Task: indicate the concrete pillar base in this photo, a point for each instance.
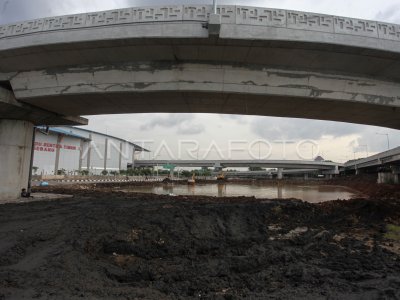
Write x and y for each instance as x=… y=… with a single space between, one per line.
x=280 y=173
x=15 y=148
x=396 y=178
x=389 y=178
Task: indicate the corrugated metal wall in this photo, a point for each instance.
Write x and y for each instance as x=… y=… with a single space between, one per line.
x=74 y=153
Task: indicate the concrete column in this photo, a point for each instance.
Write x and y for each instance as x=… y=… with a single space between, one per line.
x=105 y=154
x=395 y=175
x=80 y=155
x=280 y=191
x=57 y=161
x=15 y=154
x=395 y=172
x=120 y=156
x=133 y=158
x=88 y=153
x=306 y=176
x=280 y=173
x=380 y=178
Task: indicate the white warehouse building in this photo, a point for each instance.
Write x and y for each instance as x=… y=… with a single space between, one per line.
x=70 y=150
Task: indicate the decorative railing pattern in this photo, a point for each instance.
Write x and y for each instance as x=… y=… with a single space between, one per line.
x=229 y=15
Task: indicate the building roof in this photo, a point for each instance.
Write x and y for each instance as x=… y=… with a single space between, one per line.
x=63 y=132
x=59 y=130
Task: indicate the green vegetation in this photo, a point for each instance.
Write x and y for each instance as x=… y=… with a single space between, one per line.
x=393 y=232
x=256 y=169
x=161 y=172
x=137 y=172
x=202 y=172
x=61 y=172
x=83 y=172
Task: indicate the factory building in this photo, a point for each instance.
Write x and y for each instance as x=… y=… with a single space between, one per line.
x=71 y=151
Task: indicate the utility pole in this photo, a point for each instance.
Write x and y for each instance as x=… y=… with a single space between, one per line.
x=215 y=7
x=387 y=137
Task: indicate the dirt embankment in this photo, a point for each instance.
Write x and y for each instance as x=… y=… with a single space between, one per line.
x=110 y=245
x=368 y=186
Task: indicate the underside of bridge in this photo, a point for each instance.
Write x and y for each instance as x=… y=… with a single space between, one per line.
x=242 y=60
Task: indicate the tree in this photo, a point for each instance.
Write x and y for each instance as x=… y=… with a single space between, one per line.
x=256 y=169
x=186 y=173
x=205 y=171
x=61 y=172
x=83 y=172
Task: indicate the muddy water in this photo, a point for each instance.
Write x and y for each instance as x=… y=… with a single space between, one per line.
x=311 y=193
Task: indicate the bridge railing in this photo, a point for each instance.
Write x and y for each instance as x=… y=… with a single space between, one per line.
x=230 y=14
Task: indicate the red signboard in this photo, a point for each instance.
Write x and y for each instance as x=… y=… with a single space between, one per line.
x=49 y=147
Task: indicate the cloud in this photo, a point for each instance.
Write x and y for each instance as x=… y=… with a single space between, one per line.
x=285 y=128
x=271 y=128
x=20 y=10
x=389 y=14
x=188 y=129
x=182 y=122
x=240 y=119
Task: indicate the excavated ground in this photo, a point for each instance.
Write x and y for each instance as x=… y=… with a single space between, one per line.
x=101 y=244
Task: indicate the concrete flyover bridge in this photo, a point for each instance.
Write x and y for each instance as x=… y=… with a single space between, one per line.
x=282 y=166
x=188 y=58
x=386 y=164
x=232 y=163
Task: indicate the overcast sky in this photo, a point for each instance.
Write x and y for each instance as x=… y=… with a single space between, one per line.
x=337 y=141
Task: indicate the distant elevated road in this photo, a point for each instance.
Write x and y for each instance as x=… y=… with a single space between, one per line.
x=390 y=157
x=284 y=164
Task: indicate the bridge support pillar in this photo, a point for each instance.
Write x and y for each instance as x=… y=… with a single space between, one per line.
x=15 y=148
x=280 y=173
x=396 y=178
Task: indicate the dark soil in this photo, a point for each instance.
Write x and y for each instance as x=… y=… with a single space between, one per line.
x=109 y=245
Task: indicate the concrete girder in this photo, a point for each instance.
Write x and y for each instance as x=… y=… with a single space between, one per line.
x=10 y=108
x=204 y=87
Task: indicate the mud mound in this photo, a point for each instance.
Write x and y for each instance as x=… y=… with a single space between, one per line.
x=158 y=247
